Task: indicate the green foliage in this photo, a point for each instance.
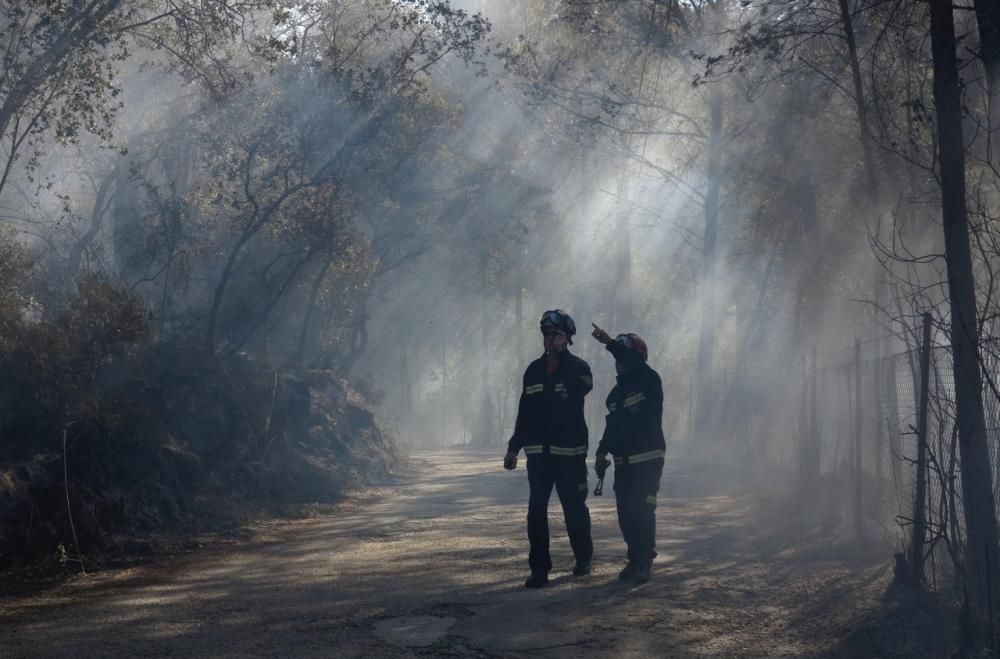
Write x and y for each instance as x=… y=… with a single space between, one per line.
x=61 y=62
x=15 y=274
x=153 y=427
x=72 y=367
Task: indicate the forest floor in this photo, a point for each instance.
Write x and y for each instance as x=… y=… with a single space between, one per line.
x=434 y=564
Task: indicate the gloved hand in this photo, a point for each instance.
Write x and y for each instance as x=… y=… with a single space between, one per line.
x=510 y=461
x=601 y=463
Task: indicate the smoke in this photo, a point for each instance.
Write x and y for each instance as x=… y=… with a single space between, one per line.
x=496 y=197
x=775 y=295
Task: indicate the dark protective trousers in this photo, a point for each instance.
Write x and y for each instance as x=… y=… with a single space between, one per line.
x=635 y=495
x=569 y=476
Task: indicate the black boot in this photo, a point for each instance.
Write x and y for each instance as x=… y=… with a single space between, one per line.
x=537 y=580
x=642 y=573
x=582 y=568
x=627 y=572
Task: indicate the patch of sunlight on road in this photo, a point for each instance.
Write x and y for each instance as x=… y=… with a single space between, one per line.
x=416 y=631
x=448 y=548
x=168 y=630
x=180 y=596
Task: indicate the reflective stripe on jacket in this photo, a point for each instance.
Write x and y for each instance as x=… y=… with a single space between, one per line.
x=550 y=412
x=633 y=432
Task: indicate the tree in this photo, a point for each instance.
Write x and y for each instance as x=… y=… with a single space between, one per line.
x=61 y=59
x=977 y=488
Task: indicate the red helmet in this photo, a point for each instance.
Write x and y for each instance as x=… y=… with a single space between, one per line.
x=633 y=341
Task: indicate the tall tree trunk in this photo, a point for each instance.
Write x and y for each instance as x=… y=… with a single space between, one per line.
x=988 y=20
x=407 y=376
x=444 y=384
x=300 y=351
x=753 y=327
x=269 y=306
x=101 y=204
x=871 y=173
x=706 y=338
x=860 y=105
x=622 y=310
x=977 y=487
x=486 y=426
x=359 y=341
x=220 y=286
x=519 y=325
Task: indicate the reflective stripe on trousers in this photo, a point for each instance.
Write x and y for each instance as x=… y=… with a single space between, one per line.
x=640 y=457
x=569 y=477
x=564 y=451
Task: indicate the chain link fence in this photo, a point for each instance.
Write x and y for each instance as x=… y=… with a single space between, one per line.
x=861 y=457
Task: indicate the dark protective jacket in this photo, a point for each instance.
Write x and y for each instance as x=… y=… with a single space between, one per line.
x=634 y=429
x=550 y=412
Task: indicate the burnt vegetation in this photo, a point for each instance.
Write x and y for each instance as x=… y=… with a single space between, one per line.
x=183 y=304
x=250 y=248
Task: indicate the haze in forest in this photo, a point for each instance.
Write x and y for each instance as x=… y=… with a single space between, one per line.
x=205 y=202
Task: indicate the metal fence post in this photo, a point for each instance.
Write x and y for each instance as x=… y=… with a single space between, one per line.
x=858 y=522
x=690 y=427
x=879 y=494
x=920 y=497
x=804 y=427
x=814 y=448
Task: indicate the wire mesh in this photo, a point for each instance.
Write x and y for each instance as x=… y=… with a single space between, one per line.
x=885 y=420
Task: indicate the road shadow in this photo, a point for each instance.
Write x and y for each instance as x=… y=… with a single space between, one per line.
x=736 y=575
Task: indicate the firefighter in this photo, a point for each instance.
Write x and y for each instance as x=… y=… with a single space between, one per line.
x=634 y=436
x=551 y=430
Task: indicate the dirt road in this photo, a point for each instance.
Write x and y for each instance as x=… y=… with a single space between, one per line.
x=434 y=567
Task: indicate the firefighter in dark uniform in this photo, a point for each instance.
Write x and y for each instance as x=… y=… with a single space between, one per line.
x=634 y=436
x=551 y=430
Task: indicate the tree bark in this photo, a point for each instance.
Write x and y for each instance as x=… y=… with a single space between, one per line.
x=488 y=437
x=407 y=380
x=860 y=105
x=622 y=310
x=300 y=351
x=270 y=305
x=359 y=341
x=220 y=286
x=977 y=488
x=988 y=20
x=751 y=330
x=871 y=172
x=706 y=338
x=519 y=323
x=101 y=204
